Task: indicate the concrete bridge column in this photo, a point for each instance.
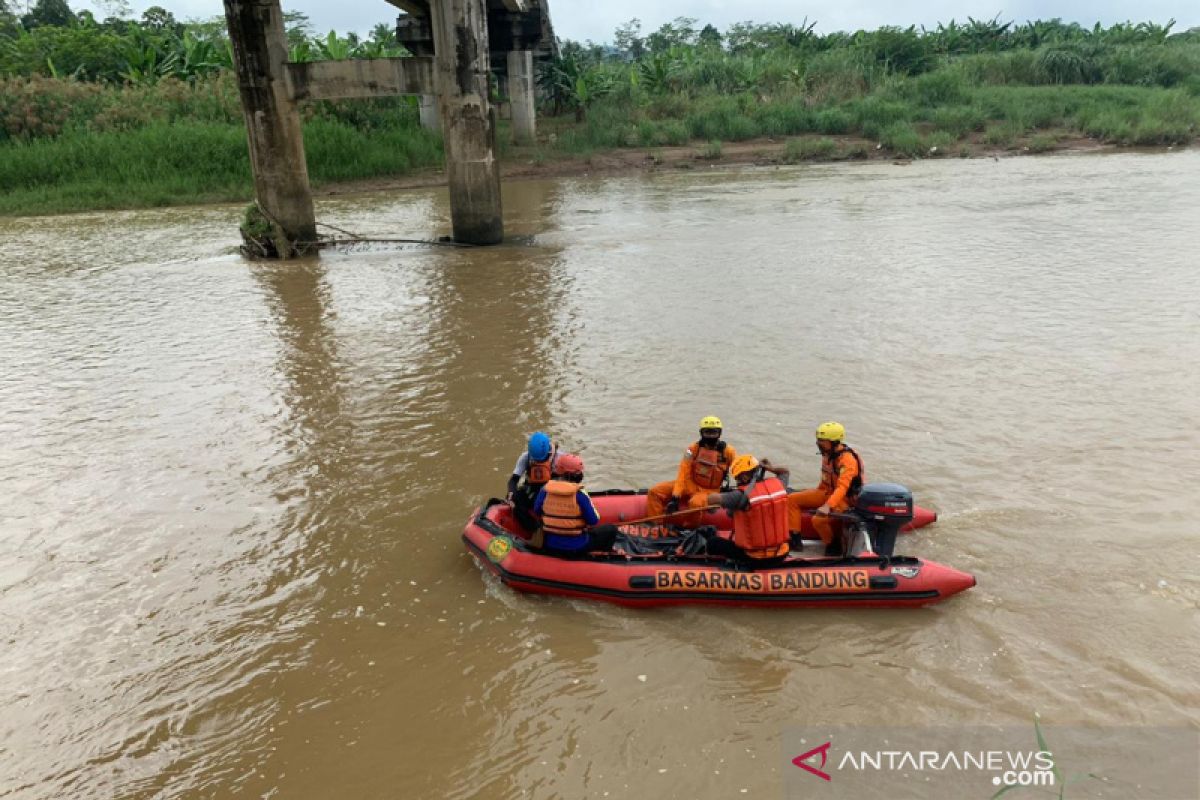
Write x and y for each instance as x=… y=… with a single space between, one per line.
x=461 y=66
x=431 y=120
x=272 y=121
x=522 y=91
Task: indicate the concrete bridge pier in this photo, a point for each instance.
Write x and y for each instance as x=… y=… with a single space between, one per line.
x=522 y=93
x=431 y=118
x=461 y=65
x=272 y=122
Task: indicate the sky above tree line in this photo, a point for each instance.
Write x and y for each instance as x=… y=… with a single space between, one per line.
x=597 y=21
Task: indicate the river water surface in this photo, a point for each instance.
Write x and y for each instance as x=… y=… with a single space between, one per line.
x=231 y=493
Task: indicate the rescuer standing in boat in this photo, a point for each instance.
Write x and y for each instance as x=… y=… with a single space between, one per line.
x=759 y=507
x=533 y=470
x=569 y=519
x=702 y=471
x=842 y=478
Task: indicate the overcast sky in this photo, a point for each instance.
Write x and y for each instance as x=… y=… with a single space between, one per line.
x=588 y=19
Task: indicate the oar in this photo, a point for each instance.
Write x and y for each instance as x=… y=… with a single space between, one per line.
x=672 y=514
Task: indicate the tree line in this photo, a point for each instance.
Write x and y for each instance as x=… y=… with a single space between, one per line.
x=48 y=38
x=684 y=57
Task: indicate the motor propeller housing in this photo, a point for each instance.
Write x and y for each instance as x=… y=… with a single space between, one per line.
x=884 y=509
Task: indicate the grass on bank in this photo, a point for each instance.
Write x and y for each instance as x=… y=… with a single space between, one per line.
x=188 y=162
x=97 y=148
x=902 y=119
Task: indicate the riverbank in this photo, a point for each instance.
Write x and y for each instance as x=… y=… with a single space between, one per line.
x=225 y=183
x=185 y=144
x=528 y=163
x=118 y=135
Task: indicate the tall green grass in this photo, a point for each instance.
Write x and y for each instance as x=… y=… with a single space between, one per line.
x=70 y=145
x=907 y=117
x=167 y=164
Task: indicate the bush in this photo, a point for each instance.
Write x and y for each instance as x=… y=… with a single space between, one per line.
x=839 y=75
x=784 y=118
x=721 y=118
x=834 y=121
x=875 y=113
x=938 y=143
x=945 y=86
x=1002 y=135
x=39 y=107
x=1066 y=63
x=1002 y=69
x=1151 y=65
x=900 y=50
x=674 y=132
x=958 y=121
x=903 y=140
x=79 y=52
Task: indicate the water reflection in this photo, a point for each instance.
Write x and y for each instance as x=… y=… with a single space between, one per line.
x=376 y=368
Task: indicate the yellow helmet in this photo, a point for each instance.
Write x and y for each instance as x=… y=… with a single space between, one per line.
x=711 y=422
x=831 y=431
x=743 y=463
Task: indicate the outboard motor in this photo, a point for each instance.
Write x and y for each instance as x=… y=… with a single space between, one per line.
x=884 y=509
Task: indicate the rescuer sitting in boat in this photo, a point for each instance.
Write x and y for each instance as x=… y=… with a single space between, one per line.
x=759 y=507
x=533 y=470
x=701 y=471
x=569 y=519
x=842 y=478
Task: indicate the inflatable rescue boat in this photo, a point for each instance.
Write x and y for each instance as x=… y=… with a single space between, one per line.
x=652 y=565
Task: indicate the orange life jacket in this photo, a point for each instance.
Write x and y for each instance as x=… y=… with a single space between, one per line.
x=539 y=472
x=709 y=466
x=831 y=468
x=561 y=514
x=762 y=530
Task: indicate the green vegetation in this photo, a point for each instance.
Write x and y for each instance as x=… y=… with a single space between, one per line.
x=122 y=112
x=87 y=146
x=125 y=113
x=910 y=90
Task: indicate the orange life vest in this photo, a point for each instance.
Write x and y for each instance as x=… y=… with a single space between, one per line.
x=831 y=468
x=762 y=530
x=709 y=466
x=539 y=472
x=561 y=514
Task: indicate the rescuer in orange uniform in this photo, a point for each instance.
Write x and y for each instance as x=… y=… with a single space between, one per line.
x=842 y=477
x=760 y=514
x=701 y=472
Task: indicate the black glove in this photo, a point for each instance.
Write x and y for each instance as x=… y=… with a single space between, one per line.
x=672 y=505
x=734 y=501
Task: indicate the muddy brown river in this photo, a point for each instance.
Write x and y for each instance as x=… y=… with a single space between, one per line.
x=232 y=493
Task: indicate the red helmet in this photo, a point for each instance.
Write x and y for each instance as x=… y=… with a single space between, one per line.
x=568 y=464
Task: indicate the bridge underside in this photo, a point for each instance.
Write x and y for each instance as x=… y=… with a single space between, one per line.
x=457 y=46
x=519 y=34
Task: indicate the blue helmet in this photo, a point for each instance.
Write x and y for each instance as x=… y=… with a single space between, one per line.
x=539 y=446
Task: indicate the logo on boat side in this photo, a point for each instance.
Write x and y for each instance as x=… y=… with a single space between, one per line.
x=794 y=581
x=498 y=548
x=907 y=572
